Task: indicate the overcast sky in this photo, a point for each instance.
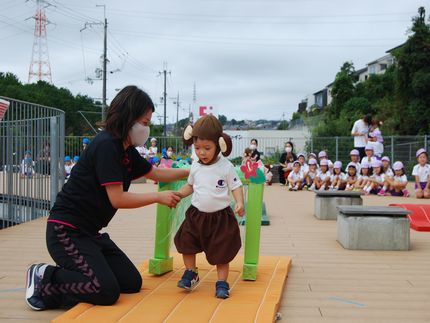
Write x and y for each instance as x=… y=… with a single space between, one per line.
x=250 y=59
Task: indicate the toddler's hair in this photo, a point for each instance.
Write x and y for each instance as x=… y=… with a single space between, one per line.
x=248 y=151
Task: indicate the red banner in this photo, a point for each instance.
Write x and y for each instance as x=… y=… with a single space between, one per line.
x=4 y=105
x=205 y=110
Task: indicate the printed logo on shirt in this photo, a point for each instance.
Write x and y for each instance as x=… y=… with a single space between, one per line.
x=221 y=184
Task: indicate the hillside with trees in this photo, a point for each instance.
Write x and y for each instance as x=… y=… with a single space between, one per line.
x=400 y=97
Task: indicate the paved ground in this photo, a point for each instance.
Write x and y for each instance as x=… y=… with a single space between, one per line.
x=326 y=282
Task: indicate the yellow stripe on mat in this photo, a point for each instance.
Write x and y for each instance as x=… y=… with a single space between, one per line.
x=161 y=301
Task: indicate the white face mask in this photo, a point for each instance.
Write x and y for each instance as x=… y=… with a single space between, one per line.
x=252 y=146
x=139 y=134
x=169 y=153
x=288 y=149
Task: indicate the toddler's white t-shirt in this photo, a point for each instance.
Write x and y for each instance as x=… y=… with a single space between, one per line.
x=212 y=184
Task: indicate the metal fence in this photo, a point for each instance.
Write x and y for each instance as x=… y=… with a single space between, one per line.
x=401 y=148
x=31 y=161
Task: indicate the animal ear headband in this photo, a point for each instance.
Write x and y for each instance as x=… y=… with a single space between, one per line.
x=209 y=127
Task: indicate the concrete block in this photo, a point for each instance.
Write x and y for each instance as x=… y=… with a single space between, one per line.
x=373 y=232
x=326 y=206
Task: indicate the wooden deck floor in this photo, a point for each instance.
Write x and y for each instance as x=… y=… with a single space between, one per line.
x=326 y=283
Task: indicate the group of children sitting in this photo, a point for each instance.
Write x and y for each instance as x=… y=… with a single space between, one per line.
x=370 y=175
x=69 y=163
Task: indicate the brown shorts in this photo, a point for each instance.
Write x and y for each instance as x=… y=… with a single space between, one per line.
x=216 y=233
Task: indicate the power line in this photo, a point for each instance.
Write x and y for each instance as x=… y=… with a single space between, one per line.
x=238 y=42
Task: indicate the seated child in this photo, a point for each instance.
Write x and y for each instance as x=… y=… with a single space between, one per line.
x=421 y=172
x=27 y=165
x=370 y=157
x=210 y=225
x=363 y=178
x=312 y=156
x=355 y=158
x=396 y=185
x=386 y=167
x=311 y=174
x=295 y=178
x=322 y=180
x=337 y=178
x=268 y=174
x=376 y=180
x=351 y=177
x=301 y=159
x=75 y=160
x=67 y=166
x=323 y=155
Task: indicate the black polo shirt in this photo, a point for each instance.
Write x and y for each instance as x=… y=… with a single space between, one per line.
x=83 y=200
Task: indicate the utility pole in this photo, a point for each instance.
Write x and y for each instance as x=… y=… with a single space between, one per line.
x=177 y=103
x=165 y=96
x=194 y=103
x=104 y=62
x=104 y=59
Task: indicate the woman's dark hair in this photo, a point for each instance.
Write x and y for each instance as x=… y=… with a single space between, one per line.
x=291 y=144
x=256 y=141
x=129 y=104
x=367 y=118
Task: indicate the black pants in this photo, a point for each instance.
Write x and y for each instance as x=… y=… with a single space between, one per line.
x=281 y=175
x=362 y=152
x=89 y=269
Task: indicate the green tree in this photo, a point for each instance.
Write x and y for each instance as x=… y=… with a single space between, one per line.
x=222 y=119
x=49 y=95
x=343 y=88
x=413 y=78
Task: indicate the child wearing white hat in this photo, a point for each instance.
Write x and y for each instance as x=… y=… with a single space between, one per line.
x=397 y=184
x=421 y=172
x=322 y=180
x=370 y=156
x=376 y=181
x=337 y=178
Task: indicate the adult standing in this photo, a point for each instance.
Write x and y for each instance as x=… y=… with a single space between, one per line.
x=286 y=162
x=255 y=155
x=360 y=131
x=375 y=139
x=90 y=267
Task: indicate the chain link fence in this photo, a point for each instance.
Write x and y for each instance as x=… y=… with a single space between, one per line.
x=31 y=161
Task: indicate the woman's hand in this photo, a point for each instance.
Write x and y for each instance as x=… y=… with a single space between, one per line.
x=239 y=209
x=169 y=198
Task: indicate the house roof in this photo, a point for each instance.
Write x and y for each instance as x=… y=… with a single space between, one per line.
x=394 y=48
x=379 y=59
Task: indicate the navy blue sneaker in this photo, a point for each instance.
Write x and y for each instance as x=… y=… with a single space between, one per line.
x=33 y=293
x=189 y=279
x=222 y=289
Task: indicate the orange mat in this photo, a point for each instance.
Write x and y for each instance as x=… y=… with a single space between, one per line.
x=161 y=301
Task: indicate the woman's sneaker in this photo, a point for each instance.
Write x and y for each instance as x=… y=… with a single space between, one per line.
x=222 y=289
x=33 y=293
x=189 y=279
